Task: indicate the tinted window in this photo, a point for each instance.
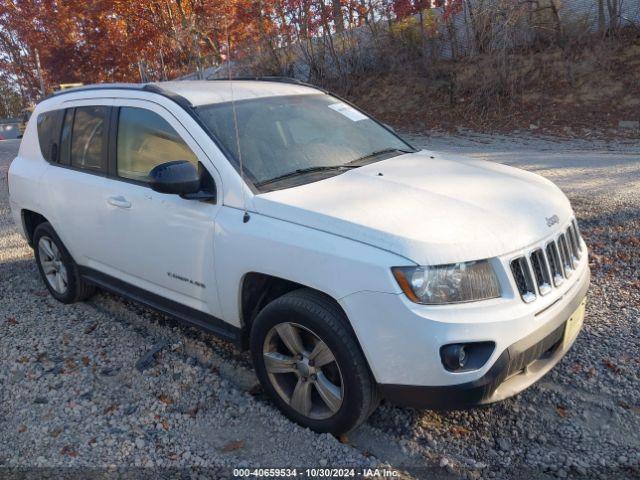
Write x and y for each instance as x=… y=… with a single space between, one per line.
x=87 y=140
x=65 y=137
x=48 y=133
x=145 y=140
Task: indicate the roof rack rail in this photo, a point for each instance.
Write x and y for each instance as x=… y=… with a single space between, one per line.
x=145 y=87
x=263 y=78
x=97 y=86
x=271 y=78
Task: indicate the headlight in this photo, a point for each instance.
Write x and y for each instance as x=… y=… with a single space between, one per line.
x=454 y=283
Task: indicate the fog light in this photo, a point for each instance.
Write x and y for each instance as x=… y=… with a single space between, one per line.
x=460 y=357
x=454 y=357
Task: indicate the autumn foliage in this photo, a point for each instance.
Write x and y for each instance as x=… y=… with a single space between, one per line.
x=122 y=40
x=335 y=43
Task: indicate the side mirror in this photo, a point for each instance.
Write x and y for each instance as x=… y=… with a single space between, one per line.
x=178 y=177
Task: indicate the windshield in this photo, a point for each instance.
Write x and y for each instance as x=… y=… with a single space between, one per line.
x=295 y=136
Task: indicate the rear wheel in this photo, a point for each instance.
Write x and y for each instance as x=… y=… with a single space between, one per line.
x=307 y=359
x=57 y=268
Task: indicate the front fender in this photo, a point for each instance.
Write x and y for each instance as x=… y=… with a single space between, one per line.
x=329 y=263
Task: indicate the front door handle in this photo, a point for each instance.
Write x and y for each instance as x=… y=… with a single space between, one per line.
x=119 y=201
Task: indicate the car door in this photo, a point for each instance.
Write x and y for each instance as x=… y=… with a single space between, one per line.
x=158 y=242
x=76 y=180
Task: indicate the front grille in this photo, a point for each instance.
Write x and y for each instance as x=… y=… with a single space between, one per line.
x=522 y=276
x=576 y=231
x=565 y=256
x=544 y=268
x=541 y=271
x=573 y=243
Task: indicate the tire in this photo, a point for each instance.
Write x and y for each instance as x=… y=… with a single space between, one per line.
x=317 y=320
x=53 y=258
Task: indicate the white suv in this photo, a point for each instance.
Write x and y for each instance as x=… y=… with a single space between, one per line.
x=284 y=219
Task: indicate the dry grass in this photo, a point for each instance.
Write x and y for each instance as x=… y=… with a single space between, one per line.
x=592 y=86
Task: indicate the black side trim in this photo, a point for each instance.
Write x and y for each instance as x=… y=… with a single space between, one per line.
x=168 y=307
x=450 y=397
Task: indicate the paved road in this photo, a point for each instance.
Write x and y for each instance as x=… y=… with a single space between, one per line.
x=71 y=396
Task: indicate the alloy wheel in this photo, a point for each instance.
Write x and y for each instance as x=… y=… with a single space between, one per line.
x=303 y=370
x=52 y=265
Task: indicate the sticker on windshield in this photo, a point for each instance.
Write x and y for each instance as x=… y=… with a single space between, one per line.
x=348 y=111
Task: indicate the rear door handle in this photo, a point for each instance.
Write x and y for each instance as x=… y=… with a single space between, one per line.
x=119 y=201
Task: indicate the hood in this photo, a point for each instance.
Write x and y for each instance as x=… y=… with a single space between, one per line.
x=429 y=208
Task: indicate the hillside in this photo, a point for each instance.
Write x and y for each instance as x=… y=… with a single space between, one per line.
x=584 y=92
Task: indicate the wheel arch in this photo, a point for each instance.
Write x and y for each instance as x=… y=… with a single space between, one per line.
x=30 y=221
x=258 y=289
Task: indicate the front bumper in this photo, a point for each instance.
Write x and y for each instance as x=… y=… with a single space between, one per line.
x=401 y=341
x=519 y=366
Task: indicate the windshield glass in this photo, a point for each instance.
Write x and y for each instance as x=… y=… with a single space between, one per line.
x=295 y=135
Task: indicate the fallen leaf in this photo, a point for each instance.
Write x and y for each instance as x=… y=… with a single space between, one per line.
x=90 y=328
x=232 y=446
x=343 y=438
x=55 y=432
x=611 y=366
x=165 y=399
x=631 y=241
x=85 y=361
x=460 y=431
x=68 y=450
x=576 y=368
x=23 y=359
x=193 y=411
x=22 y=428
x=110 y=409
x=561 y=411
x=12 y=321
x=165 y=425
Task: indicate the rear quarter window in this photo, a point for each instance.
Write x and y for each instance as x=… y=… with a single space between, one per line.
x=49 y=124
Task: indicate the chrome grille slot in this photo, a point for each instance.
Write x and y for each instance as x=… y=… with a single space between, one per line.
x=565 y=256
x=523 y=278
x=576 y=231
x=541 y=271
x=554 y=263
x=573 y=243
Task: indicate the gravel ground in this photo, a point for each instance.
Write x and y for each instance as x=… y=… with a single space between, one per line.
x=74 y=390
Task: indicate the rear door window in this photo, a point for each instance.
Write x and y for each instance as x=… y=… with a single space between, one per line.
x=88 y=138
x=65 y=137
x=48 y=134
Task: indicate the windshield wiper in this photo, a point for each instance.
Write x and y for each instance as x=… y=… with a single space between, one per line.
x=302 y=171
x=380 y=152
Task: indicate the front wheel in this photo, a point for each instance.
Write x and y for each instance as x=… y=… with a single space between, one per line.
x=309 y=362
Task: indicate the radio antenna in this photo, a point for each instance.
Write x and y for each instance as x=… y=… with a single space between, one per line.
x=246 y=216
